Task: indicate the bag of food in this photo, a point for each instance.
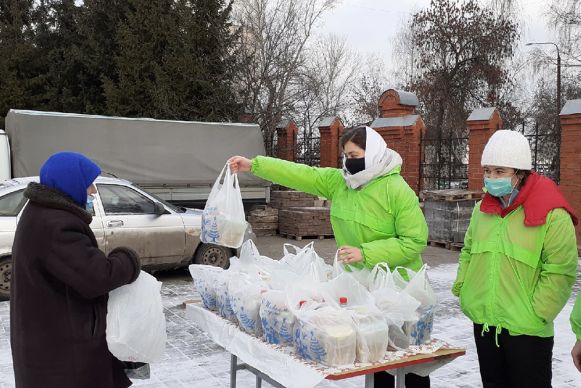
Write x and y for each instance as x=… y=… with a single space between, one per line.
x=372 y=333
x=136 y=322
x=245 y=299
x=204 y=277
x=223 y=296
x=380 y=277
x=223 y=219
x=325 y=335
x=306 y=263
x=419 y=288
x=276 y=318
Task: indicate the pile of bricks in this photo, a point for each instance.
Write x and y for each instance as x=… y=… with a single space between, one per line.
x=264 y=220
x=281 y=199
x=308 y=221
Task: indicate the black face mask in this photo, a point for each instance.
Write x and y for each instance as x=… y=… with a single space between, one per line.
x=355 y=165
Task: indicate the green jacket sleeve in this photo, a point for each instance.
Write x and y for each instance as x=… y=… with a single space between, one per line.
x=576 y=317
x=558 y=266
x=317 y=181
x=464 y=259
x=410 y=228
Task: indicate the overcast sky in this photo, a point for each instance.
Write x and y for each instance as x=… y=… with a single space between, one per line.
x=371 y=25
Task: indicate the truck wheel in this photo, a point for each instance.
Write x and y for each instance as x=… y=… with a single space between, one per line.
x=215 y=255
x=5 y=275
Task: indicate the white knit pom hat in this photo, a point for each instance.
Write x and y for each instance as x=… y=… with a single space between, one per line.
x=507 y=149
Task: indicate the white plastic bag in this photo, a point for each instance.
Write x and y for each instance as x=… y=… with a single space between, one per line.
x=136 y=322
x=223 y=219
x=372 y=333
x=306 y=263
x=245 y=298
x=223 y=304
x=205 y=277
x=361 y=275
x=419 y=287
x=276 y=318
x=326 y=335
x=380 y=277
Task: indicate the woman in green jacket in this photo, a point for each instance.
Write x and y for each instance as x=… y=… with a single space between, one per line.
x=517 y=266
x=374 y=213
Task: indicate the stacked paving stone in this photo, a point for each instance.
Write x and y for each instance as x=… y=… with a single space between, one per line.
x=264 y=220
x=301 y=215
x=448 y=215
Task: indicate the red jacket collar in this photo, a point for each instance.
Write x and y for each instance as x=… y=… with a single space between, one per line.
x=538 y=197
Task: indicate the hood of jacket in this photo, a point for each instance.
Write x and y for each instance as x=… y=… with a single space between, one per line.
x=51 y=198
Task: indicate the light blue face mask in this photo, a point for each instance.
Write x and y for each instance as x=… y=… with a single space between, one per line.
x=499 y=187
x=89 y=205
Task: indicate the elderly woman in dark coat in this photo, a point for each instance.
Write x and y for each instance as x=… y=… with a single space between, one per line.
x=60 y=283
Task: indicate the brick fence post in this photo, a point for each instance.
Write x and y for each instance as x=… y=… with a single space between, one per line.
x=402 y=129
x=482 y=123
x=286 y=143
x=570 y=153
x=330 y=130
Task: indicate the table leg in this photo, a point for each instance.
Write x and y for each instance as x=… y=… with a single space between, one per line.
x=233 y=370
x=399 y=378
x=258 y=382
x=369 y=380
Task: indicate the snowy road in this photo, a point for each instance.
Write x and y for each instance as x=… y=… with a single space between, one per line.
x=192 y=360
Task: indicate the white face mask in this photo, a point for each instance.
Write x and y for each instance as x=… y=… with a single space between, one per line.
x=89 y=205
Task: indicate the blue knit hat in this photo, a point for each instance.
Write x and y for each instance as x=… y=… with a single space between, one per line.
x=70 y=173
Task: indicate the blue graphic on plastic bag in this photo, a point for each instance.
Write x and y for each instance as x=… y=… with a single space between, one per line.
x=246 y=322
x=210 y=233
x=301 y=344
x=316 y=350
x=276 y=330
x=225 y=307
x=420 y=332
x=206 y=293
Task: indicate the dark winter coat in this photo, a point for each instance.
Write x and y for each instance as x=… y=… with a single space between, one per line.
x=59 y=291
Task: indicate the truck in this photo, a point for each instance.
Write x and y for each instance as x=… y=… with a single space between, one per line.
x=178 y=161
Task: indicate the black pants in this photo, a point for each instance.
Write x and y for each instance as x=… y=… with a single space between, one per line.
x=519 y=361
x=385 y=380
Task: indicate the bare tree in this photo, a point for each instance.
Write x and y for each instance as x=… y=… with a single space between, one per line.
x=370 y=83
x=274 y=36
x=325 y=80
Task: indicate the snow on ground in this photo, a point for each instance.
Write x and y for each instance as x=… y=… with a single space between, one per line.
x=192 y=360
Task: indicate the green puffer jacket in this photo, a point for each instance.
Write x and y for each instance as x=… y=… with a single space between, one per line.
x=383 y=218
x=576 y=317
x=515 y=277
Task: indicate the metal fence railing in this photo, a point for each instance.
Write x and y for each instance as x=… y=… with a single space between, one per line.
x=444 y=163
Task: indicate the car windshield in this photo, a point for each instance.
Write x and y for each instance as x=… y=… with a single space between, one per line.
x=177 y=209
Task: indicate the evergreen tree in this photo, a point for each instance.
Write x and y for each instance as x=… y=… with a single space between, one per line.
x=17 y=72
x=173 y=61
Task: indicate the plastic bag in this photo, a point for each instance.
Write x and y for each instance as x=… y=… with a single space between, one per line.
x=361 y=275
x=205 y=277
x=372 y=333
x=136 y=322
x=223 y=304
x=419 y=287
x=276 y=318
x=326 y=335
x=306 y=263
x=245 y=299
x=380 y=277
x=223 y=219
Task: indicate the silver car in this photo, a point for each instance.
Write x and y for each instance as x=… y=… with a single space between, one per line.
x=164 y=235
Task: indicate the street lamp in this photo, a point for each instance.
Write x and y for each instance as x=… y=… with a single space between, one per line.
x=558 y=71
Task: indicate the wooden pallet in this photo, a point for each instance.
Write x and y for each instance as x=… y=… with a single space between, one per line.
x=453 y=246
x=308 y=236
x=451 y=195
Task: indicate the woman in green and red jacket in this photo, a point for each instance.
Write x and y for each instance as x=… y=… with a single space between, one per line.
x=375 y=215
x=517 y=266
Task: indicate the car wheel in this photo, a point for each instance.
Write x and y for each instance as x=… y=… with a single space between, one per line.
x=5 y=275
x=215 y=255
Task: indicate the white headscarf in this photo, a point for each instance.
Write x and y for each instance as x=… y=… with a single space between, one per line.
x=379 y=160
